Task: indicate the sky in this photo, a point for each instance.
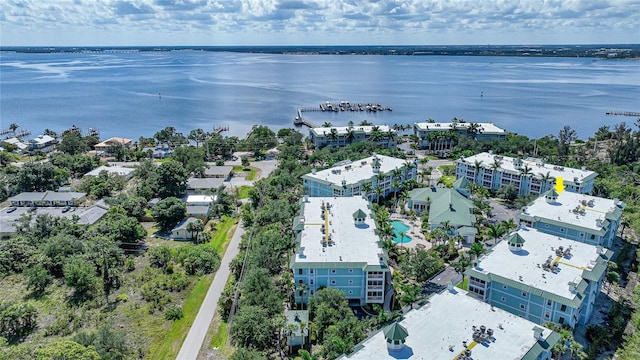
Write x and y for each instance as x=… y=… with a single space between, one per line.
x=317 y=22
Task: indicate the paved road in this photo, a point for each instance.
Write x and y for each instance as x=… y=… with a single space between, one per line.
x=441 y=281
x=192 y=344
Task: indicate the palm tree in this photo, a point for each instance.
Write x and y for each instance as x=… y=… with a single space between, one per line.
x=495 y=231
x=477 y=165
x=350 y=136
x=461 y=265
x=379 y=193
x=333 y=134
x=350 y=124
x=194 y=228
x=396 y=185
x=327 y=124
x=447 y=227
x=545 y=180
x=397 y=174
x=13 y=127
x=508 y=225
x=366 y=188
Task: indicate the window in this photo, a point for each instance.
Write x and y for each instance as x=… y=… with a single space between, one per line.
x=561 y=320
x=311 y=292
x=504 y=286
x=503 y=299
x=524 y=293
x=310 y=281
x=350 y=292
x=548 y=302
x=299 y=271
x=522 y=306
x=350 y=281
x=561 y=230
x=350 y=270
x=547 y=315
x=563 y=308
x=593 y=236
x=546 y=225
x=333 y=271
x=310 y=271
x=333 y=282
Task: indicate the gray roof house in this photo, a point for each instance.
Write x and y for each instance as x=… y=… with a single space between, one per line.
x=223 y=172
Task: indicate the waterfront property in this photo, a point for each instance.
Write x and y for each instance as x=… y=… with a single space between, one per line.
x=452 y=325
x=43 y=143
x=585 y=218
x=350 y=178
x=337 y=246
x=21 y=146
x=529 y=176
x=105 y=147
x=541 y=277
x=440 y=136
x=345 y=135
x=446 y=206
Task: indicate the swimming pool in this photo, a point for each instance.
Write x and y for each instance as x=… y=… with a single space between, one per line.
x=400 y=227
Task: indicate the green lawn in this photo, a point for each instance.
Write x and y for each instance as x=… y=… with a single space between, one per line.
x=244 y=191
x=250 y=172
x=221 y=236
x=221 y=336
x=447 y=180
x=167 y=346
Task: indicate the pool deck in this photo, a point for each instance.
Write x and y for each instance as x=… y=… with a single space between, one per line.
x=417 y=238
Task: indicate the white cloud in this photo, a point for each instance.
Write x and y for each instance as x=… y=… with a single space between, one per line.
x=107 y=22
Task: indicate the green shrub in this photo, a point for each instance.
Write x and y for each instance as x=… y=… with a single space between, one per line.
x=173 y=313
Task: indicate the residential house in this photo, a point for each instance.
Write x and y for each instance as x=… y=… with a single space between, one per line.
x=43 y=143
x=180 y=232
x=198 y=205
x=105 y=147
x=337 y=246
x=452 y=325
x=9 y=218
x=21 y=146
x=541 y=277
x=349 y=178
x=585 y=218
x=125 y=172
x=529 y=176
x=344 y=135
x=203 y=186
x=47 y=198
x=219 y=172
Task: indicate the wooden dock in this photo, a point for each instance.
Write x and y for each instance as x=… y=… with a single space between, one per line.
x=623 y=113
x=341 y=106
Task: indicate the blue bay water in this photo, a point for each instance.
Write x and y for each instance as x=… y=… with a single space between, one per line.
x=137 y=94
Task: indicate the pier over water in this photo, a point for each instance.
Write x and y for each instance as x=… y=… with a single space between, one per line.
x=336 y=107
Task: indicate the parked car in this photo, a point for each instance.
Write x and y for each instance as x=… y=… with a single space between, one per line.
x=66 y=208
x=11 y=209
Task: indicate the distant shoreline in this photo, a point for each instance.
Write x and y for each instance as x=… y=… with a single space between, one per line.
x=601 y=51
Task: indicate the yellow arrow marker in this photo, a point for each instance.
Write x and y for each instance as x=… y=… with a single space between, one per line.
x=559 y=185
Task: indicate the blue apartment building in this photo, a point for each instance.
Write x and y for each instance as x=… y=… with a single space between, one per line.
x=541 y=277
x=337 y=247
x=584 y=218
x=348 y=178
x=529 y=176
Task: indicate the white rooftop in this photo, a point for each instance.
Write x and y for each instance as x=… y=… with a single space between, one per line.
x=354 y=171
x=575 y=209
x=342 y=130
x=537 y=166
x=116 y=170
x=197 y=199
x=484 y=127
x=526 y=266
x=348 y=243
x=447 y=320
